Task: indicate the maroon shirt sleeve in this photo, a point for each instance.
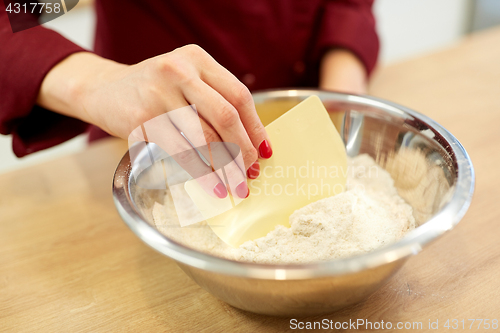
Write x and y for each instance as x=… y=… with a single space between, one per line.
x=25 y=58
x=349 y=24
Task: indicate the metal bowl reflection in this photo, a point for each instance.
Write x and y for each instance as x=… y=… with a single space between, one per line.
x=432 y=172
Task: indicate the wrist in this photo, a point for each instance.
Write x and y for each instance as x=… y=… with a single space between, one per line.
x=68 y=84
x=341 y=70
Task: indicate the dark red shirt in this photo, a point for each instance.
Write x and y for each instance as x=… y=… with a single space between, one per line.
x=265 y=43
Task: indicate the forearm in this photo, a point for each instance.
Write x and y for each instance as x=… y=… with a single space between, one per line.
x=120 y=99
x=63 y=87
x=341 y=70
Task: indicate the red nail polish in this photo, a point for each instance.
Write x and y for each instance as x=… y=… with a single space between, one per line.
x=220 y=191
x=265 y=150
x=242 y=190
x=254 y=170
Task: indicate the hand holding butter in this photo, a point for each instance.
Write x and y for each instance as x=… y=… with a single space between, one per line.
x=308 y=164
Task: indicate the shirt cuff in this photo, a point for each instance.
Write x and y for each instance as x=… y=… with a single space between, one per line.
x=26 y=58
x=43 y=129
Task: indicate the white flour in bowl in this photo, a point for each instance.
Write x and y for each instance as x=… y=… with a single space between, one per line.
x=368 y=215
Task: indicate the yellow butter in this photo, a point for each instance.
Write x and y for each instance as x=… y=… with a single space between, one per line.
x=308 y=164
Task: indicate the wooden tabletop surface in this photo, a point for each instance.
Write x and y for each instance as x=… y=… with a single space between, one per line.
x=68 y=263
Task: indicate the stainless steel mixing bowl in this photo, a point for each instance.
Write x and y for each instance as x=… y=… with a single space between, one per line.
x=432 y=172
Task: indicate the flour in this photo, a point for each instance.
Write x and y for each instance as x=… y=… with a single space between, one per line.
x=368 y=215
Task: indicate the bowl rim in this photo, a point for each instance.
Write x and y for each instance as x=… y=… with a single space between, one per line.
x=447 y=218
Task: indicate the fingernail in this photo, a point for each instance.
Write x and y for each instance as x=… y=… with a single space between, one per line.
x=265 y=150
x=254 y=170
x=220 y=191
x=242 y=190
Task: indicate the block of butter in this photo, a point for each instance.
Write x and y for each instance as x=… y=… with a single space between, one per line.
x=309 y=163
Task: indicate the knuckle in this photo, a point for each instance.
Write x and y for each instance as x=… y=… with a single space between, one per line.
x=187 y=80
x=194 y=49
x=243 y=95
x=176 y=69
x=209 y=135
x=227 y=116
x=234 y=174
x=166 y=64
x=185 y=157
x=250 y=156
x=257 y=129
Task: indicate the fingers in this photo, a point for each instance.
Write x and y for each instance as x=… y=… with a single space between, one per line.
x=161 y=131
x=226 y=108
x=230 y=170
x=222 y=116
x=237 y=94
x=199 y=133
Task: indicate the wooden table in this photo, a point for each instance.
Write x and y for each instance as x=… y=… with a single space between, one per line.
x=68 y=263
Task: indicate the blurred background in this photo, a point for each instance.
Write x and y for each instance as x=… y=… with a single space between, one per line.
x=407 y=28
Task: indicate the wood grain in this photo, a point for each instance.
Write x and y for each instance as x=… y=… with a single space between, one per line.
x=68 y=263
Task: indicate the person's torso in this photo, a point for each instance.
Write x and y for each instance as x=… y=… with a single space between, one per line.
x=265 y=43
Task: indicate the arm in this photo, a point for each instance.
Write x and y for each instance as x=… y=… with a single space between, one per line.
x=129 y=99
x=43 y=72
x=347 y=45
x=342 y=71
x=25 y=58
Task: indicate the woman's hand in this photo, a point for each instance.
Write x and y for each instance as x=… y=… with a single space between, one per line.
x=342 y=71
x=120 y=98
